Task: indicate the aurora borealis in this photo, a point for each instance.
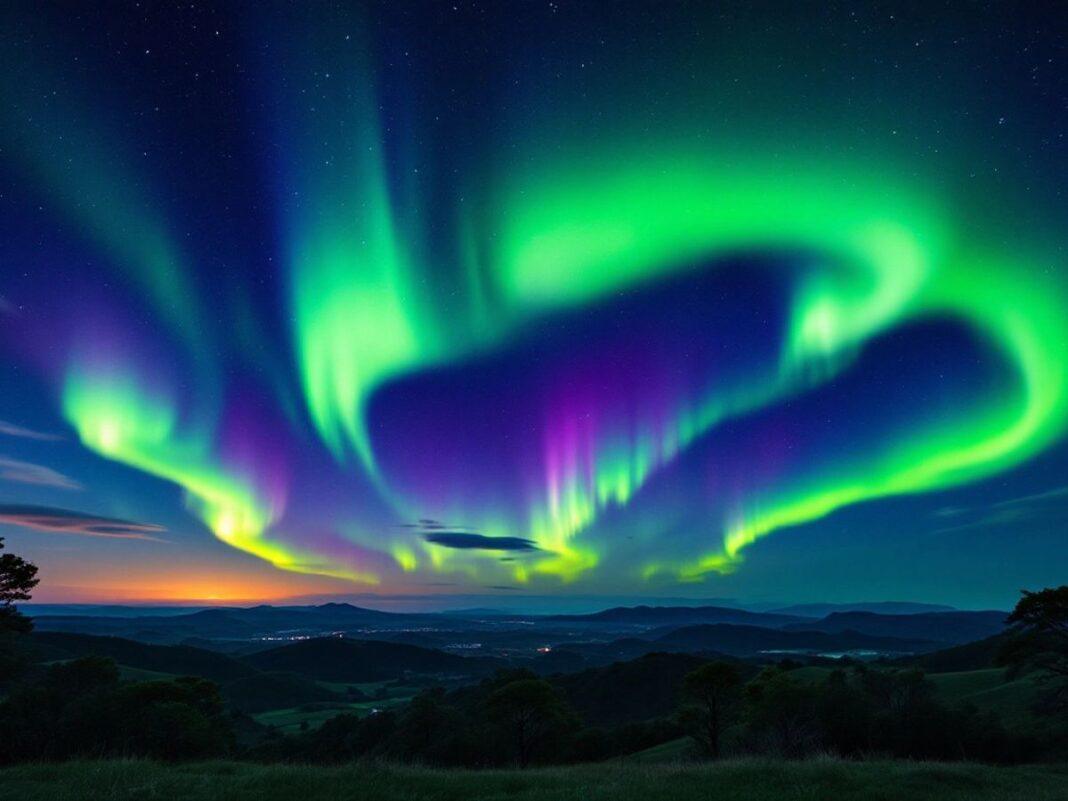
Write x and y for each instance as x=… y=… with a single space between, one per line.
x=662 y=300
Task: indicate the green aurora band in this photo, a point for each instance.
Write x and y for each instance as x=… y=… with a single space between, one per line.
x=363 y=293
x=897 y=258
x=568 y=239
x=118 y=419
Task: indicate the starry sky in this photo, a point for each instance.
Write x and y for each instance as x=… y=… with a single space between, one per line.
x=744 y=300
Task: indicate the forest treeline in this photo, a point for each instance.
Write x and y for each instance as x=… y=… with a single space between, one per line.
x=83 y=708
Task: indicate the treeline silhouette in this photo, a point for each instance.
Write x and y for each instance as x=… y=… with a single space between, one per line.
x=516 y=719
x=82 y=708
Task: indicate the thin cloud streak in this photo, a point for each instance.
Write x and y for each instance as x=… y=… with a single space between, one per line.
x=65 y=521
x=12 y=430
x=1011 y=510
x=36 y=474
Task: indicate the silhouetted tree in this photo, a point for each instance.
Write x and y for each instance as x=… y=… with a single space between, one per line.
x=80 y=709
x=430 y=729
x=61 y=713
x=1039 y=642
x=341 y=739
x=781 y=713
x=846 y=714
x=528 y=710
x=1044 y=611
x=17 y=579
x=712 y=692
x=1040 y=622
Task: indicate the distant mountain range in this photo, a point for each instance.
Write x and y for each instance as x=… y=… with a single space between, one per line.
x=752 y=640
x=237 y=623
x=618 y=664
x=547 y=642
x=879 y=607
x=944 y=627
x=681 y=615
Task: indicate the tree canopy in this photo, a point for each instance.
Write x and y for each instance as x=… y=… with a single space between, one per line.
x=17 y=579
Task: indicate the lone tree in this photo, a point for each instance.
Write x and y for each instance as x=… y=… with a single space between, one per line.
x=1040 y=640
x=1044 y=612
x=781 y=711
x=712 y=692
x=17 y=578
x=529 y=710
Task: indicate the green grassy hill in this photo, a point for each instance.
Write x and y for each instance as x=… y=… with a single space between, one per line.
x=751 y=780
x=988 y=690
x=265 y=691
x=180 y=660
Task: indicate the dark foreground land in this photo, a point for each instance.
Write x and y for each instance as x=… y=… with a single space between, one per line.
x=751 y=780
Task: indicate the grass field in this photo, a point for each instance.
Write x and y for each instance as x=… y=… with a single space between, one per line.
x=751 y=780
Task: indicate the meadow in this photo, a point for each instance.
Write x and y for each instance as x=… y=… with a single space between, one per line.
x=733 y=780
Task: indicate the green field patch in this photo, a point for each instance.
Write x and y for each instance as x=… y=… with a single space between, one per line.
x=289 y=720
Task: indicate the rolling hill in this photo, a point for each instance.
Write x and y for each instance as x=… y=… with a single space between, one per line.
x=264 y=691
x=944 y=627
x=679 y=616
x=878 y=607
x=173 y=659
x=344 y=660
x=976 y=655
x=228 y=623
x=753 y=640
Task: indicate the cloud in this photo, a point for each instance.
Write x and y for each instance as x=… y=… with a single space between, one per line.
x=12 y=430
x=1002 y=513
x=951 y=511
x=29 y=473
x=997 y=517
x=65 y=521
x=1038 y=497
x=463 y=540
x=427 y=524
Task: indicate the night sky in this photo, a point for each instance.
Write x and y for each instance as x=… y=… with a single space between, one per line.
x=760 y=301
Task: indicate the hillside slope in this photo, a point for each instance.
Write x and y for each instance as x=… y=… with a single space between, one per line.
x=344 y=660
x=879 y=607
x=946 y=627
x=750 y=640
x=680 y=616
x=175 y=659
